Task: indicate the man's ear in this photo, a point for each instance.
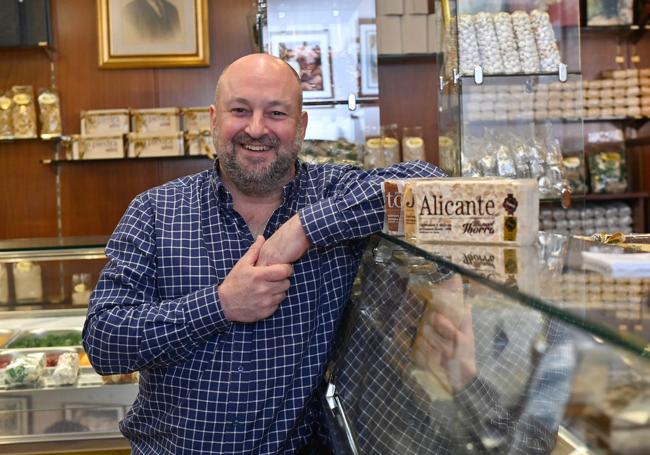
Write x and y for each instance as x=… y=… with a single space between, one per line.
x=213 y=116
x=303 y=122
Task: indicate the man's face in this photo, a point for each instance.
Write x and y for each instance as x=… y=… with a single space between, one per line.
x=257 y=126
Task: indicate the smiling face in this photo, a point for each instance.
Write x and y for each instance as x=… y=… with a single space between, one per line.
x=257 y=124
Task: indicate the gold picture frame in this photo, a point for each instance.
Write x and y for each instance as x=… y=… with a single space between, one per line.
x=132 y=35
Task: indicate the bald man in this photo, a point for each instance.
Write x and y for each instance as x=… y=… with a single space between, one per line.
x=224 y=288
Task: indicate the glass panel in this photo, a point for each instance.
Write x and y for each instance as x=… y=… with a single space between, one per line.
x=434 y=361
x=534 y=277
x=33 y=283
x=31 y=415
x=523 y=127
x=541 y=35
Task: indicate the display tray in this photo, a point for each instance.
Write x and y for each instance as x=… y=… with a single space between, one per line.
x=44 y=338
x=45 y=379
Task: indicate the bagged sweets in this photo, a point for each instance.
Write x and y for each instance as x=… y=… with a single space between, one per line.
x=6 y=108
x=49 y=111
x=607 y=170
x=23 y=116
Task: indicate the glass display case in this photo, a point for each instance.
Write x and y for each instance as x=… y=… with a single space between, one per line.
x=51 y=399
x=460 y=349
x=511 y=85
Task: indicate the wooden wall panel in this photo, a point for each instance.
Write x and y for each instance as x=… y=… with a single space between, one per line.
x=27 y=188
x=95 y=195
x=409 y=96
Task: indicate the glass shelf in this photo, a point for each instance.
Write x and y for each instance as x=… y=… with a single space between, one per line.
x=536 y=272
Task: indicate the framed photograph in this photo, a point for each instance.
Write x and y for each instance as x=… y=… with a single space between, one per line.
x=308 y=53
x=14 y=416
x=94 y=417
x=145 y=34
x=610 y=12
x=368 y=72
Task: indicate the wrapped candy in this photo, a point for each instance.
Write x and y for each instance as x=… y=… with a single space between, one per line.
x=488 y=45
x=549 y=55
x=507 y=43
x=505 y=163
x=6 y=108
x=467 y=45
x=521 y=162
x=24 y=370
x=67 y=369
x=528 y=55
x=49 y=113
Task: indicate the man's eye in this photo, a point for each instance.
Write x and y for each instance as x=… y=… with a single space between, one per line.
x=278 y=114
x=238 y=110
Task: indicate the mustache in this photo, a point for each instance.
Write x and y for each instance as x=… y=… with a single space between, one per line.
x=266 y=140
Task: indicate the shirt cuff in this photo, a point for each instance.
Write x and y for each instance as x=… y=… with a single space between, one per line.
x=206 y=317
x=321 y=224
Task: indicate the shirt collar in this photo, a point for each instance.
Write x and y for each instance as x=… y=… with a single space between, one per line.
x=224 y=197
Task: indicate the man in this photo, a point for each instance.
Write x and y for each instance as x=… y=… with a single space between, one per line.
x=230 y=332
x=151 y=20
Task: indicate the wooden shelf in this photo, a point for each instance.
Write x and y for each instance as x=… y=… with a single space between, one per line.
x=114 y=160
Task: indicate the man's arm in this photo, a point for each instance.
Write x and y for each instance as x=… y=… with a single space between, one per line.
x=355 y=209
x=129 y=327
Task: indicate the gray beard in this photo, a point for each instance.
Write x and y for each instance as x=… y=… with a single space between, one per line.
x=260 y=182
x=256 y=183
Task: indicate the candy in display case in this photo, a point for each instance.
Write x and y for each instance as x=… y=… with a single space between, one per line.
x=510 y=84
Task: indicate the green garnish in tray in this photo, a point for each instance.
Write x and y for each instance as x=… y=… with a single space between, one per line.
x=47 y=340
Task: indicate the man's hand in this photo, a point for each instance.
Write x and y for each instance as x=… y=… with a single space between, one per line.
x=444 y=344
x=286 y=245
x=252 y=292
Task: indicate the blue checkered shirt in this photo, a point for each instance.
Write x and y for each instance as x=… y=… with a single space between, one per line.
x=208 y=385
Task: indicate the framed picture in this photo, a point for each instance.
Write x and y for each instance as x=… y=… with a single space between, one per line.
x=142 y=34
x=368 y=72
x=308 y=53
x=94 y=417
x=14 y=416
x=610 y=12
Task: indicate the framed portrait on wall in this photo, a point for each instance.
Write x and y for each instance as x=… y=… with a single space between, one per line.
x=152 y=33
x=610 y=12
x=308 y=53
x=368 y=71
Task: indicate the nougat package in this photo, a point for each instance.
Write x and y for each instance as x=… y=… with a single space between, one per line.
x=476 y=210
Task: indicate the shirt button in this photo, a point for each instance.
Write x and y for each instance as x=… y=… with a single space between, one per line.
x=240 y=368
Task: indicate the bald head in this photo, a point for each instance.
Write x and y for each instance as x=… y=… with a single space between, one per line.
x=267 y=67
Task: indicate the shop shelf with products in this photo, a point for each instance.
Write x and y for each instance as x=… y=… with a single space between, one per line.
x=510 y=83
x=534 y=368
x=55 y=400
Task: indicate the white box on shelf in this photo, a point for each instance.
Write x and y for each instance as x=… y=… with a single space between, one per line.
x=104 y=122
x=199 y=143
x=97 y=147
x=419 y=6
x=196 y=118
x=414 y=34
x=163 y=120
x=143 y=145
x=389 y=35
x=390 y=7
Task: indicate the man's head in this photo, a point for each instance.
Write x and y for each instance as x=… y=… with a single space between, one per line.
x=257 y=123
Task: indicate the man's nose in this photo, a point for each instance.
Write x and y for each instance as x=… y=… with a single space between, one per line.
x=256 y=126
